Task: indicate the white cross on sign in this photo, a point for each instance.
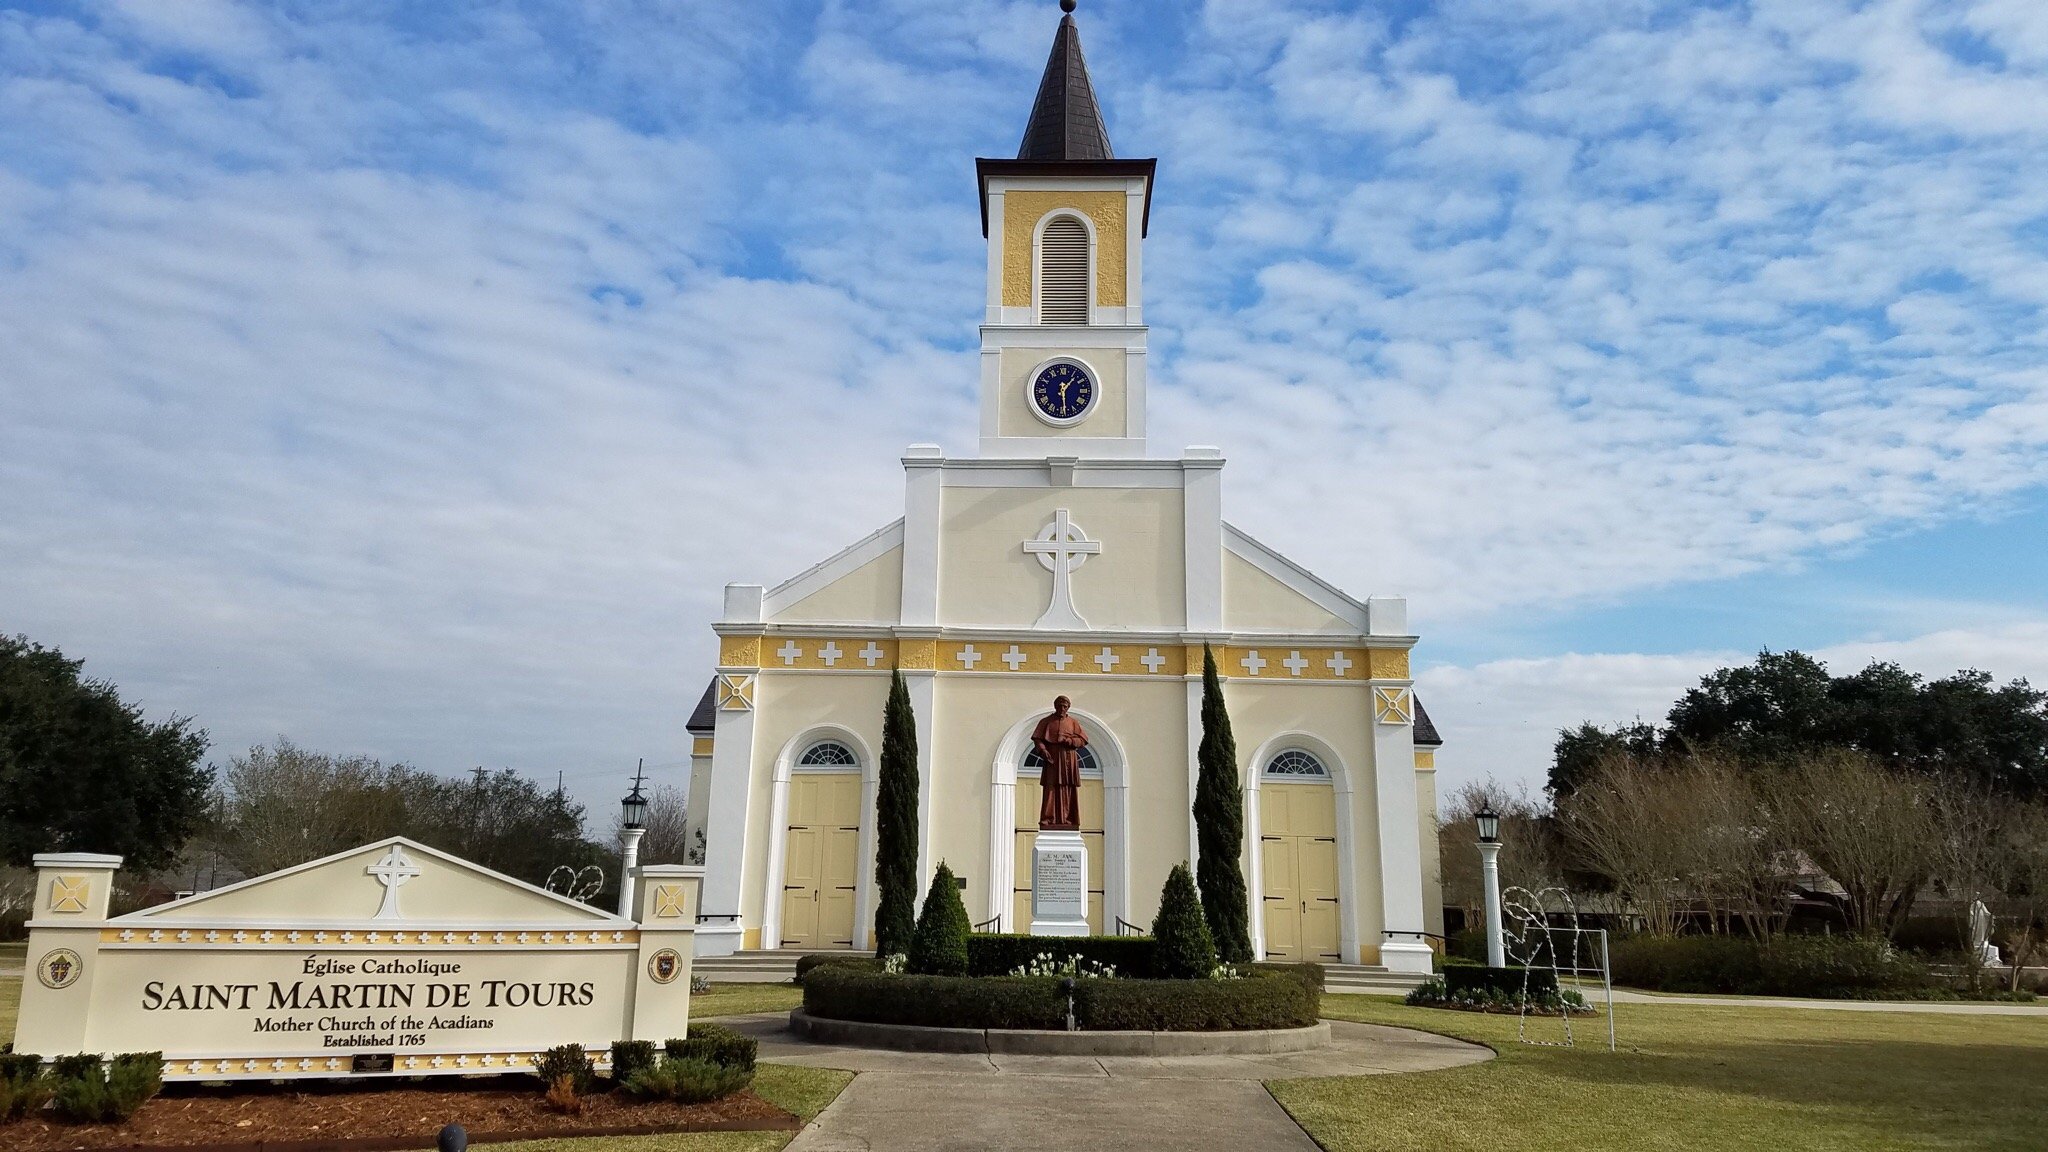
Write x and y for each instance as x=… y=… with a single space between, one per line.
x=872 y=654
x=830 y=653
x=1295 y=664
x=789 y=652
x=1152 y=660
x=1015 y=657
x=968 y=656
x=1062 y=547
x=1253 y=663
x=1339 y=663
x=1059 y=658
x=392 y=871
x=1108 y=660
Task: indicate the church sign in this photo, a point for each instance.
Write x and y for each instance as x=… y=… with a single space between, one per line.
x=393 y=958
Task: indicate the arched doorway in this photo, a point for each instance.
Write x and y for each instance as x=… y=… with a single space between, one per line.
x=1013 y=822
x=1298 y=806
x=815 y=896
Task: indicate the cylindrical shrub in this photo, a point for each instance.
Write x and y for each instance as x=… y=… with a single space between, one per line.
x=630 y=1056
x=716 y=1043
x=1184 y=948
x=939 y=947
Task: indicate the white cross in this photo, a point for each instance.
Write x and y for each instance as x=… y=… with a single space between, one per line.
x=213 y=937
x=967 y=656
x=830 y=654
x=392 y=872
x=1062 y=547
x=127 y=935
x=155 y=934
x=872 y=654
x=1252 y=662
x=1152 y=660
x=1059 y=658
x=348 y=937
x=184 y=937
x=789 y=652
x=497 y=937
x=1014 y=657
x=371 y=937
x=265 y=937
x=241 y=937
x=1108 y=659
x=1338 y=663
x=1295 y=664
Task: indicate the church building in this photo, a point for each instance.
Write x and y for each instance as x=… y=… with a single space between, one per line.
x=1064 y=557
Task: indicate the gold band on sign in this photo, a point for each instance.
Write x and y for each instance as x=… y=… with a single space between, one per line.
x=462 y=939
x=1233 y=662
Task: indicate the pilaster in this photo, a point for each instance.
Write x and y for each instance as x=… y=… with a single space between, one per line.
x=665 y=905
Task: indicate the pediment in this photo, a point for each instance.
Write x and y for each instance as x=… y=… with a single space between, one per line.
x=1264 y=591
x=391 y=883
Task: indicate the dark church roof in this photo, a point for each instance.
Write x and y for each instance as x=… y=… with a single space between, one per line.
x=1066 y=122
x=704 y=717
x=1425 y=729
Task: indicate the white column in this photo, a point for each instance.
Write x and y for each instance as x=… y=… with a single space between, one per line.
x=1402 y=948
x=630 y=839
x=725 y=833
x=924 y=473
x=1194 y=690
x=1489 y=870
x=1202 y=537
x=923 y=686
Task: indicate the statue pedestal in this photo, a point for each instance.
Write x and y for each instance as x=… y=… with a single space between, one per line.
x=1059 y=884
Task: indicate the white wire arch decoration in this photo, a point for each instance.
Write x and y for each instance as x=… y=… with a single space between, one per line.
x=1531 y=940
x=578 y=884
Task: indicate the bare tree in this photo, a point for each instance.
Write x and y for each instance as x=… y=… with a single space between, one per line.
x=666 y=841
x=284 y=805
x=1529 y=854
x=17 y=893
x=1622 y=823
x=1870 y=829
x=1729 y=842
x=2024 y=878
x=1972 y=847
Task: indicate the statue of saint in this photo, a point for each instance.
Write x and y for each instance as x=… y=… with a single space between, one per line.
x=1059 y=740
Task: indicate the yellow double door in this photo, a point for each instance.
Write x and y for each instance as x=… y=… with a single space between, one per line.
x=1027 y=830
x=821 y=862
x=1298 y=862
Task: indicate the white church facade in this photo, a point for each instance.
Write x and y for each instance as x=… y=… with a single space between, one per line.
x=1063 y=558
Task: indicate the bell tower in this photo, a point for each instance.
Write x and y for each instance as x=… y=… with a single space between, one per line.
x=1063 y=335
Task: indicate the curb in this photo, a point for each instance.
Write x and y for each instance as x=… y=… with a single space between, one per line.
x=1029 y=1042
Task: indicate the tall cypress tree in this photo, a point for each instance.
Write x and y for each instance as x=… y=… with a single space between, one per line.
x=896 y=824
x=1219 y=824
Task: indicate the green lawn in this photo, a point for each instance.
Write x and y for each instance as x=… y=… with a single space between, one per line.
x=1696 y=1078
x=740 y=999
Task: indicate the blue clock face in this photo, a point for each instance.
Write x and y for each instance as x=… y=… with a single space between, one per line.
x=1063 y=392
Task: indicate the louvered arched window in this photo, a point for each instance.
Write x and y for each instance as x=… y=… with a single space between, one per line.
x=1063 y=272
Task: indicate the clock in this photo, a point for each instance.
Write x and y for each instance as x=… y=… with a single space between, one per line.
x=1062 y=392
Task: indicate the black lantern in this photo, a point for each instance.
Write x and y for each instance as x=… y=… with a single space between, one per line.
x=1489 y=824
x=634 y=807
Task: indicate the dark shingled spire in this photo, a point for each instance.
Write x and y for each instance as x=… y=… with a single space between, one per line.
x=1066 y=123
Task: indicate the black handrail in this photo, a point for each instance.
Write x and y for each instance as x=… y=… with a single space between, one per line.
x=988 y=925
x=1126 y=928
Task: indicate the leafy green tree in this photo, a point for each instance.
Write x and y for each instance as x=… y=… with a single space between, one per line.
x=1219 y=823
x=1781 y=704
x=896 y=824
x=1180 y=932
x=939 y=946
x=82 y=771
x=1580 y=751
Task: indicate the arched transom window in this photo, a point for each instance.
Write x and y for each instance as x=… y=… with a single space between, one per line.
x=1294 y=764
x=1090 y=766
x=826 y=755
x=1063 y=272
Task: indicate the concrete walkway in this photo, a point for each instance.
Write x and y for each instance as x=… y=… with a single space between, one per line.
x=924 y=1100
x=1931 y=1007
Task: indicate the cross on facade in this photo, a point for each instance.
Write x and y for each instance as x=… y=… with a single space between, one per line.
x=830 y=653
x=1339 y=663
x=1059 y=658
x=872 y=654
x=967 y=656
x=789 y=652
x=392 y=872
x=1015 y=657
x=1107 y=660
x=1294 y=664
x=1253 y=663
x=1061 y=547
x=1152 y=660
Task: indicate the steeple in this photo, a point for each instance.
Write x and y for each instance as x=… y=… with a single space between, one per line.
x=1066 y=123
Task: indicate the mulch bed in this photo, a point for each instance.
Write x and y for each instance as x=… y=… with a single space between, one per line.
x=362 y=1117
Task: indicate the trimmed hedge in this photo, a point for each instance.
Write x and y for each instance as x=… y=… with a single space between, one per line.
x=1830 y=967
x=1537 y=983
x=1265 y=999
x=1308 y=972
x=1001 y=953
x=862 y=960
x=715 y=1043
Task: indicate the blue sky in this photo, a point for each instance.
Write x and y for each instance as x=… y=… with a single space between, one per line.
x=408 y=379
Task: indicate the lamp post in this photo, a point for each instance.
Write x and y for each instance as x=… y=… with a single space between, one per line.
x=1489 y=869
x=632 y=826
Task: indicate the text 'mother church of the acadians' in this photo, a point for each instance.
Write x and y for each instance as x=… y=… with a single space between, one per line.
x=1065 y=558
